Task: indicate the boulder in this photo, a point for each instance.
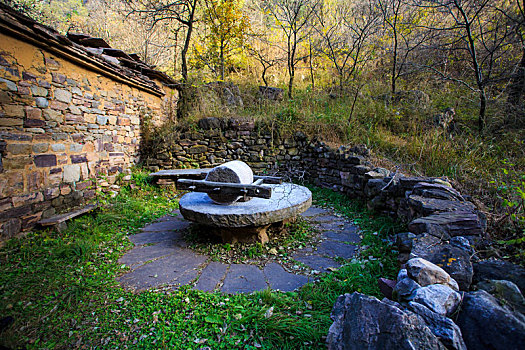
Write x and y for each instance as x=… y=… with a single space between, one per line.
x=404 y=289
x=386 y=286
x=228 y=92
x=392 y=303
x=436 y=190
x=506 y=292
x=242 y=124
x=212 y=123
x=271 y=93
x=487 y=325
x=364 y=322
x=445 y=120
x=439 y=298
x=499 y=270
x=408 y=183
x=404 y=241
x=423 y=206
x=448 y=224
x=426 y=273
x=442 y=327
x=402 y=274
x=462 y=243
x=422 y=244
x=455 y=261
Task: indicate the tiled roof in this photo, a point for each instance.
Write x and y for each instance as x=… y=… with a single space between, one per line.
x=94 y=53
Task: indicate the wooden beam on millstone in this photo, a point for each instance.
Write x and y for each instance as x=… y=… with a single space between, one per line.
x=224 y=188
x=271 y=180
x=200 y=174
x=175 y=174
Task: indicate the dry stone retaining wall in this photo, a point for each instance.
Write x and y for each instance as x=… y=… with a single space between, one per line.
x=430 y=205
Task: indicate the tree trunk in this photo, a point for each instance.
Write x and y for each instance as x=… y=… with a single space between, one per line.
x=183 y=54
x=482 y=109
x=264 y=76
x=187 y=40
x=394 y=65
x=353 y=103
x=291 y=64
x=222 y=61
x=311 y=67
x=184 y=92
x=395 y=53
x=290 y=86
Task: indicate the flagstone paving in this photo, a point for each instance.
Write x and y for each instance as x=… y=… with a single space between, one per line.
x=161 y=258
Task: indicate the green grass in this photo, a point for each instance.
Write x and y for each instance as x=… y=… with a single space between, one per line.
x=62 y=292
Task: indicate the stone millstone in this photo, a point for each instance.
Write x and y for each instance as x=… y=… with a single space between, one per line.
x=287 y=201
x=231 y=172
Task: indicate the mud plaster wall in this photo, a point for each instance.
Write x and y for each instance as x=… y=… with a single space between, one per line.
x=61 y=126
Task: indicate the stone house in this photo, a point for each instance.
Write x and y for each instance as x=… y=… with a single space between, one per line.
x=71 y=111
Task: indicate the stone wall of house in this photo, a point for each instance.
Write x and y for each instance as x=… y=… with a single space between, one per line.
x=62 y=126
x=427 y=204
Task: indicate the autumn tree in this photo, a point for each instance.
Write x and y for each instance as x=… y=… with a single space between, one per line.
x=181 y=11
x=514 y=12
x=265 y=51
x=62 y=15
x=404 y=37
x=475 y=36
x=294 y=18
x=344 y=30
x=228 y=27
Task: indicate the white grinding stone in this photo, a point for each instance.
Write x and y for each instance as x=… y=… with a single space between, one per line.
x=231 y=172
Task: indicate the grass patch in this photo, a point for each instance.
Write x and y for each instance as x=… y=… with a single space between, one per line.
x=62 y=293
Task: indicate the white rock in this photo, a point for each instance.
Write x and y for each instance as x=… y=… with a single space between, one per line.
x=439 y=298
x=426 y=273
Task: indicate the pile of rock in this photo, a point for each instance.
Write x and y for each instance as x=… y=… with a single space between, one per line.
x=270 y=93
x=429 y=312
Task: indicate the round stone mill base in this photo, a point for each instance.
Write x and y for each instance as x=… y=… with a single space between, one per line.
x=247 y=221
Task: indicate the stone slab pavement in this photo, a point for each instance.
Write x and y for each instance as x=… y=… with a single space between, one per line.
x=161 y=258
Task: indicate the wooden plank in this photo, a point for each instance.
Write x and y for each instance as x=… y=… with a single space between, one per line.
x=57 y=219
x=197 y=174
x=273 y=180
x=224 y=188
x=200 y=174
x=257 y=182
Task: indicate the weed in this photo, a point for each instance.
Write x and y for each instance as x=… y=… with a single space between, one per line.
x=511 y=191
